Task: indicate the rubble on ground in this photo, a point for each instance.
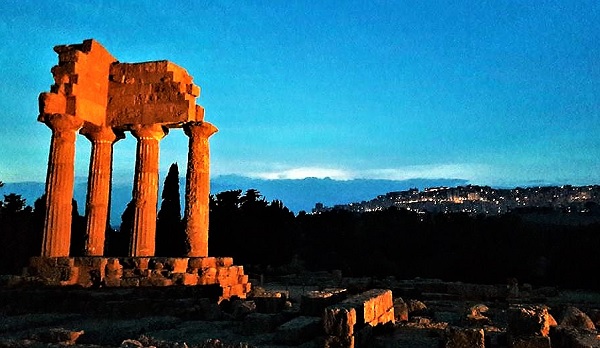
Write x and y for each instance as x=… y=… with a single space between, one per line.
x=330 y=312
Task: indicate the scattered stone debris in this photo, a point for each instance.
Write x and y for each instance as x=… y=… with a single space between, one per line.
x=408 y=313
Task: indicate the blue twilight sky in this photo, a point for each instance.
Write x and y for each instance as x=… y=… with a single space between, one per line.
x=495 y=92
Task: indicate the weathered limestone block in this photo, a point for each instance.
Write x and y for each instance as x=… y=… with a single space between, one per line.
x=135 y=263
x=528 y=320
x=176 y=264
x=400 y=309
x=202 y=262
x=298 y=330
x=185 y=279
x=575 y=318
x=373 y=306
x=91 y=270
x=130 y=282
x=568 y=337
x=270 y=301
x=339 y=342
x=462 y=337
x=529 y=342
x=243 y=278
x=158 y=92
x=153 y=281
x=81 y=82
x=54 y=270
x=238 y=290
x=313 y=303
x=113 y=268
x=224 y=261
x=339 y=320
x=208 y=276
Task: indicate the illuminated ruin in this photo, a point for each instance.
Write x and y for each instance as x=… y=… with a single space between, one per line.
x=101 y=98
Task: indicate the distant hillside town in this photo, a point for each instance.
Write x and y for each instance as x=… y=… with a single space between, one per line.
x=474 y=200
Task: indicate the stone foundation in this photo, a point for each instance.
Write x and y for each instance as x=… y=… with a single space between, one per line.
x=142 y=271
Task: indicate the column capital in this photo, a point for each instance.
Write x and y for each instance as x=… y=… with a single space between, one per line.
x=102 y=134
x=151 y=132
x=62 y=124
x=199 y=129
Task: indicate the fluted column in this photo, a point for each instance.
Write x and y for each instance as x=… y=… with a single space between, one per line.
x=197 y=188
x=145 y=189
x=99 y=184
x=59 y=184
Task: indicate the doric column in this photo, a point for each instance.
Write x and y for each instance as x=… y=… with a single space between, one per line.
x=145 y=189
x=59 y=184
x=99 y=184
x=197 y=188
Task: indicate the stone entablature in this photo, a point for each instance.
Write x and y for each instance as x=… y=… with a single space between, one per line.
x=101 y=98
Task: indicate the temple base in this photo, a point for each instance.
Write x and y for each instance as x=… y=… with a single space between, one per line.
x=142 y=272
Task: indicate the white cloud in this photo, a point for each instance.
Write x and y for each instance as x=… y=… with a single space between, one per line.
x=303 y=172
x=471 y=172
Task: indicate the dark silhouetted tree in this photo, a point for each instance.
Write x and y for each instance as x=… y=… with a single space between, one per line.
x=170 y=235
x=78 y=237
x=13 y=203
x=117 y=243
x=18 y=237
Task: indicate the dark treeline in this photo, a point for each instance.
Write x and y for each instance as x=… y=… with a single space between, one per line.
x=267 y=237
x=458 y=247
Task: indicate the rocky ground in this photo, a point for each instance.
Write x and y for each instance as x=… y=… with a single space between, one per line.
x=286 y=312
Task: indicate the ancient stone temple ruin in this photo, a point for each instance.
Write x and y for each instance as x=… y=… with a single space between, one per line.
x=101 y=98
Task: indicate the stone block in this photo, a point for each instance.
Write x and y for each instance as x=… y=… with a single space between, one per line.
x=68 y=275
x=226 y=292
x=238 y=290
x=463 y=337
x=189 y=279
x=314 y=303
x=339 y=320
x=270 y=302
x=155 y=281
x=177 y=265
x=529 y=342
x=573 y=338
x=157 y=92
x=81 y=80
x=224 y=277
x=130 y=282
x=528 y=320
x=338 y=342
x=298 y=330
x=65 y=262
x=135 y=262
x=224 y=261
x=202 y=262
x=371 y=305
x=112 y=282
x=575 y=318
x=387 y=317
x=400 y=310
x=113 y=264
x=208 y=276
